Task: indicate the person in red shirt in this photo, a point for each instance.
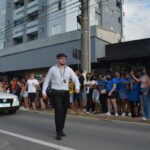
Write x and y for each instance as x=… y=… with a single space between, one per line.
x=14 y=85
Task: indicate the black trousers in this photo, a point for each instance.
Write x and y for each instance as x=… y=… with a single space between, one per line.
x=132 y=105
x=90 y=105
x=60 y=102
x=103 y=101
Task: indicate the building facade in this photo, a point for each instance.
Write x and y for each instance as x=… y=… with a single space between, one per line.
x=28 y=20
x=127 y=56
x=41 y=54
x=36 y=30
x=2 y=23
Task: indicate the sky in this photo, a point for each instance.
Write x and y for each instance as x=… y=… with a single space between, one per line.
x=136 y=19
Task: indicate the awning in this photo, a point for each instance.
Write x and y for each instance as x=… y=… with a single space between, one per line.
x=123 y=58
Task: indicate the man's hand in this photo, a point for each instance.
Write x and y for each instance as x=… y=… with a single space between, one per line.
x=77 y=91
x=45 y=96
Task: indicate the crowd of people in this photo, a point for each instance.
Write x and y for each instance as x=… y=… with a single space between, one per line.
x=29 y=92
x=119 y=94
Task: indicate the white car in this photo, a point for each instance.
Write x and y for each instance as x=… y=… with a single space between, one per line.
x=9 y=102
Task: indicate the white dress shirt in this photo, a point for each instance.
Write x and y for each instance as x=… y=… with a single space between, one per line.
x=59 y=79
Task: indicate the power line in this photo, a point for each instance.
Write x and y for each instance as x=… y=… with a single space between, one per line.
x=54 y=19
x=137 y=2
x=43 y=1
x=9 y=27
x=26 y=21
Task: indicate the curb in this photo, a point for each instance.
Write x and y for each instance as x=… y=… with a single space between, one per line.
x=97 y=116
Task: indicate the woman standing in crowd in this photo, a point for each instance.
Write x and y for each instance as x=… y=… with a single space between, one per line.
x=89 y=82
x=111 y=94
x=88 y=94
x=144 y=86
x=18 y=91
x=123 y=91
x=117 y=78
x=81 y=80
x=93 y=83
x=25 y=94
x=134 y=98
x=102 y=90
x=42 y=100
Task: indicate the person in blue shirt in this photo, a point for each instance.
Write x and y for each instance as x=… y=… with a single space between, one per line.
x=111 y=94
x=134 y=98
x=123 y=91
x=117 y=77
x=102 y=90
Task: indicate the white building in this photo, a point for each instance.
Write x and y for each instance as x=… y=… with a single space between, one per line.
x=2 y=22
x=36 y=19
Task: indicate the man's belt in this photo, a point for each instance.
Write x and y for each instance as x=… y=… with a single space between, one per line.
x=60 y=91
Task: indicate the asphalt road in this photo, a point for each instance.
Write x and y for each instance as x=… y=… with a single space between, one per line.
x=35 y=131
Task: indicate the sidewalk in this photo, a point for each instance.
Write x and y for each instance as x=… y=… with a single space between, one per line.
x=97 y=116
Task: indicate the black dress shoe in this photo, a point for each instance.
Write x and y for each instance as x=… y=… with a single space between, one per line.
x=63 y=134
x=58 y=137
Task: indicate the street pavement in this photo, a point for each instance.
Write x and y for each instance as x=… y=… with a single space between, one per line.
x=36 y=131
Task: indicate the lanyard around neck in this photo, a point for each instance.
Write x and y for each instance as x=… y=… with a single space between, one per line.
x=62 y=73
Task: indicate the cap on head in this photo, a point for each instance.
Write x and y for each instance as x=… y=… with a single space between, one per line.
x=60 y=55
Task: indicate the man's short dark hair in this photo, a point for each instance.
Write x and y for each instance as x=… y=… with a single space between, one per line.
x=60 y=55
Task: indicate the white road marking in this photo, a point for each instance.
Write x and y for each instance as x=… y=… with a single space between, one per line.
x=51 y=145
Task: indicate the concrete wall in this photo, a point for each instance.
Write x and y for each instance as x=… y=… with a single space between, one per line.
x=41 y=53
x=41 y=57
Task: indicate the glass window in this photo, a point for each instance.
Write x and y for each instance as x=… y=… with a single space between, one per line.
x=118 y=3
x=18 y=22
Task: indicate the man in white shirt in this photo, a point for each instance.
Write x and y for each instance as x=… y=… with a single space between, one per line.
x=32 y=85
x=59 y=76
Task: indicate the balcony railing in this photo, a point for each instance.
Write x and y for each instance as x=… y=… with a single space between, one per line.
x=33 y=23
x=33 y=9
x=18 y=31
x=17 y=1
x=18 y=34
x=18 y=15
x=32 y=29
x=33 y=3
x=18 y=10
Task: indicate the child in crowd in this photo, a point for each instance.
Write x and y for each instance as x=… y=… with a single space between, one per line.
x=71 y=92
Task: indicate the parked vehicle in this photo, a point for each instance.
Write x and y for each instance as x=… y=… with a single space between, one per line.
x=9 y=102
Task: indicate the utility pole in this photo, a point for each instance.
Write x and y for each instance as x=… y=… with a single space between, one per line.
x=85 y=61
